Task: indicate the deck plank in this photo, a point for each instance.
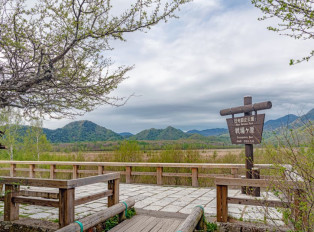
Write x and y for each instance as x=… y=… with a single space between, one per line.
x=151 y=225
x=166 y=223
x=135 y=226
x=126 y=224
x=142 y=227
x=157 y=226
x=174 y=226
x=143 y=223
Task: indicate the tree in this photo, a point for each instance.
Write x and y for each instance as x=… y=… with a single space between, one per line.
x=10 y=121
x=296 y=19
x=52 y=54
x=35 y=141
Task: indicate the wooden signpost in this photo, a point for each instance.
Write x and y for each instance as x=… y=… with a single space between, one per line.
x=247 y=130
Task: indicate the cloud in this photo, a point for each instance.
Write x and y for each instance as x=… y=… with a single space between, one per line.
x=188 y=69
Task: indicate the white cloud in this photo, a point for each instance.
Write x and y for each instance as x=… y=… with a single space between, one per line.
x=189 y=69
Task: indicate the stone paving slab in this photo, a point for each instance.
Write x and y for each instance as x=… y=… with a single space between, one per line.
x=157 y=198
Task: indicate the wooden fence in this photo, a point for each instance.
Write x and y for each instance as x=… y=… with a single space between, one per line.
x=98 y=168
x=64 y=199
x=223 y=199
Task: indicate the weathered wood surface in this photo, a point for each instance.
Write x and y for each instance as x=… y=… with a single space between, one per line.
x=11 y=210
x=143 y=223
x=101 y=216
x=66 y=206
x=257 y=202
x=124 y=164
x=195 y=218
x=65 y=184
x=36 y=201
x=223 y=199
x=263 y=183
x=222 y=203
x=93 y=197
x=246 y=108
x=97 y=168
x=64 y=200
x=113 y=185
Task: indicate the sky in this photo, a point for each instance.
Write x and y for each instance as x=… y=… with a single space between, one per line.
x=188 y=69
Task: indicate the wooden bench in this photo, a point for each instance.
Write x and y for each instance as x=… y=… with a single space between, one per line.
x=223 y=199
x=64 y=199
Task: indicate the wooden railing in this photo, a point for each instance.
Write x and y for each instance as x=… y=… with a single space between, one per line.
x=64 y=199
x=194 y=222
x=194 y=173
x=223 y=199
x=99 y=217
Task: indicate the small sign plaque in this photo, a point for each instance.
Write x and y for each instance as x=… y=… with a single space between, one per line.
x=247 y=129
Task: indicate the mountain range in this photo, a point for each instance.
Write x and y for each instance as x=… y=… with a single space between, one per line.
x=87 y=131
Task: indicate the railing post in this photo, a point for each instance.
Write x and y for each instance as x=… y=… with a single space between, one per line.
x=195 y=177
x=66 y=206
x=75 y=171
x=100 y=170
x=128 y=174
x=11 y=210
x=256 y=191
x=12 y=170
x=234 y=172
x=222 y=203
x=52 y=171
x=31 y=170
x=114 y=186
x=159 y=175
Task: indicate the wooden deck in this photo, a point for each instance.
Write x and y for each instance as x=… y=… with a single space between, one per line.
x=144 y=223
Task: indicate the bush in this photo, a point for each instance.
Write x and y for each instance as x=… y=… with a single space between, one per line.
x=293 y=158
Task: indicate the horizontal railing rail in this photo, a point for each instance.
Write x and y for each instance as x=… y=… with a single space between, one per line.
x=99 y=168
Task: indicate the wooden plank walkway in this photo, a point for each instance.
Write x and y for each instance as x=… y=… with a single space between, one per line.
x=145 y=223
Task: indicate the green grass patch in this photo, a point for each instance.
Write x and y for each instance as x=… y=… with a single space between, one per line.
x=112 y=222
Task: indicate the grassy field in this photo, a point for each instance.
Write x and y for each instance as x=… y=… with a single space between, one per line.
x=108 y=156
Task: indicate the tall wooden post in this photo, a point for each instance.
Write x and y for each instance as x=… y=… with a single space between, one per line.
x=248 y=151
x=247 y=130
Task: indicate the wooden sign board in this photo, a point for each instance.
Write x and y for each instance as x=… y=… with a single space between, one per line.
x=247 y=129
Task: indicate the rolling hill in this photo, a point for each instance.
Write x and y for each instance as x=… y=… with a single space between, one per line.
x=209 y=132
x=170 y=133
x=86 y=131
x=280 y=122
x=81 y=131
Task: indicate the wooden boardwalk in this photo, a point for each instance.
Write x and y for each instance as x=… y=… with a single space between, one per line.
x=145 y=223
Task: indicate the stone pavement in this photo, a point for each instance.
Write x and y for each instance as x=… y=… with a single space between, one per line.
x=175 y=199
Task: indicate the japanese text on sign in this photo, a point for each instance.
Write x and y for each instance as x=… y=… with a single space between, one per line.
x=247 y=129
